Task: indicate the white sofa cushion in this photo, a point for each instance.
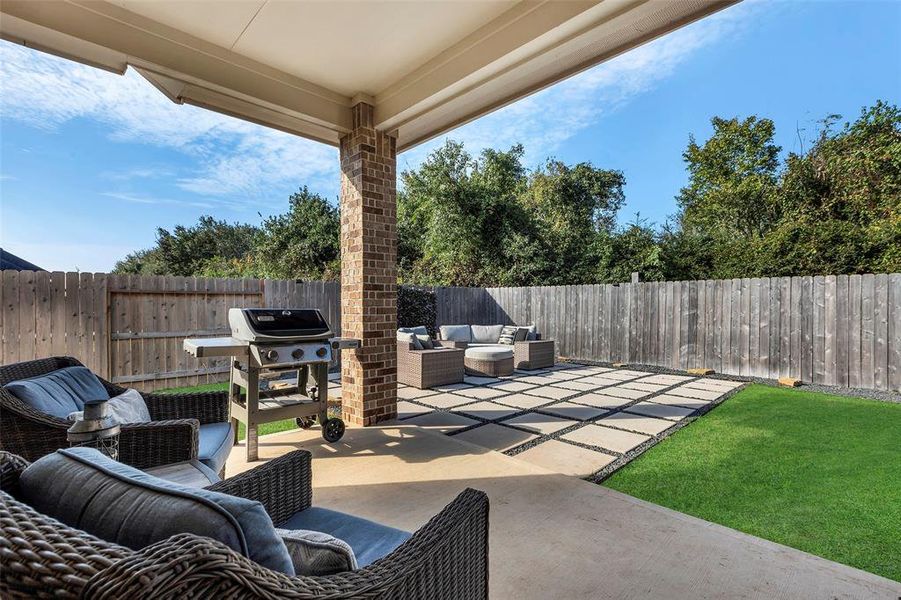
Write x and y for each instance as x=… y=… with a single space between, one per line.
x=492 y=352
x=486 y=334
x=456 y=333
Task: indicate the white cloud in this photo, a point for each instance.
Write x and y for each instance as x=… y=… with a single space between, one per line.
x=544 y=121
x=145 y=199
x=231 y=157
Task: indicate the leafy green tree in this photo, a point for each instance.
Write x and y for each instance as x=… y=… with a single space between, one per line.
x=186 y=250
x=635 y=249
x=303 y=243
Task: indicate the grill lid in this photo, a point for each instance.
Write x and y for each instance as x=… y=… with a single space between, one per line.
x=261 y=324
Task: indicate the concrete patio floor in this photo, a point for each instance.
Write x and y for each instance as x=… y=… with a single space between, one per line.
x=576 y=419
x=553 y=535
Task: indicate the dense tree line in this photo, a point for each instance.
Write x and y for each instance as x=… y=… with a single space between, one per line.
x=488 y=220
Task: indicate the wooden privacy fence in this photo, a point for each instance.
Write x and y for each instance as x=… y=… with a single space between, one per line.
x=129 y=328
x=836 y=330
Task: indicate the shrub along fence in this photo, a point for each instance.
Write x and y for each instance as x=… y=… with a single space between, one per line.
x=838 y=330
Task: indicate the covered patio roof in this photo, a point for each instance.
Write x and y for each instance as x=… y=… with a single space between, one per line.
x=299 y=66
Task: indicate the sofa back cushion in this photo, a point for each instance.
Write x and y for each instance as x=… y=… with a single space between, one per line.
x=59 y=392
x=486 y=334
x=87 y=490
x=418 y=330
x=456 y=333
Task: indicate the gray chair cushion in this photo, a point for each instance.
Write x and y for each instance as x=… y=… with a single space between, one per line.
x=370 y=541
x=486 y=334
x=456 y=333
x=87 y=490
x=409 y=337
x=317 y=553
x=531 y=333
x=215 y=444
x=60 y=392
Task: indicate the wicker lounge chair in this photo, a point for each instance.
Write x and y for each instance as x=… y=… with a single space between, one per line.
x=173 y=435
x=447 y=559
x=427 y=368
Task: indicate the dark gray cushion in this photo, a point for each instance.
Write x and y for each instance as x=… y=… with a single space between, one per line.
x=370 y=541
x=425 y=341
x=456 y=333
x=216 y=441
x=118 y=503
x=60 y=392
x=317 y=553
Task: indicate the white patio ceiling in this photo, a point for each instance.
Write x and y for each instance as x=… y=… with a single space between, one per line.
x=426 y=66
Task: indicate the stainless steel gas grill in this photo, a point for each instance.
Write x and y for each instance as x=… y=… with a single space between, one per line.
x=282 y=348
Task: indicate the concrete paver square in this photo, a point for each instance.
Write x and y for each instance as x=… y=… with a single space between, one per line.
x=445 y=400
x=692 y=403
x=695 y=393
x=601 y=401
x=408 y=409
x=512 y=386
x=496 y=437
x=645 y=387
x=540 y=423
x=451 y=387
x=624 y=392
x=666 y=378
x=565 y=375
x=441 y=421
x=664 y=411
x=605 y=437
x=714 y=384
x=594 y=370
x=486 y=410
x=579 y=386
x=522 y=401
x=568 y=410
x=600 y=380
x=482 y=393
x=530 y=372
x=648 y=425
x=566 y=458
x=538 y=379
x=478 y=380
x=412 y=393
x=551 y=393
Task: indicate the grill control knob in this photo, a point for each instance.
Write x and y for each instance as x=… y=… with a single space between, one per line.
x=321 y=352
x=297 y=354
x=272 y=355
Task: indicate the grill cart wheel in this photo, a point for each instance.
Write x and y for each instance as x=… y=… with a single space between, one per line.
x=304 y=422
x=333 y=430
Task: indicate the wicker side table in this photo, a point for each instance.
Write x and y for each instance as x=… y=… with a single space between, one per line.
x=535 y=354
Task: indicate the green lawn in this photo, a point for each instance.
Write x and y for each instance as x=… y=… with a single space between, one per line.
x=813 y=471
x=263 y=429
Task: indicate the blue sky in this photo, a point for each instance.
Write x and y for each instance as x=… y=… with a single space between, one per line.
x=91 y=163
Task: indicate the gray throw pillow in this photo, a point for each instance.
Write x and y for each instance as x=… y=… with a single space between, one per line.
x=425 y=341
x=409 y=338
x=127 y=407
x=316 y=553
x=508 y=335
x=521 y=334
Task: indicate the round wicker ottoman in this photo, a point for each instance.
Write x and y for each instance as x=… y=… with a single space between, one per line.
x=491 y=361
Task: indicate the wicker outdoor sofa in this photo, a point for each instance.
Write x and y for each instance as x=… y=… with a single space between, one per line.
x=529 y=354
x=447 y=559
x=172 y=436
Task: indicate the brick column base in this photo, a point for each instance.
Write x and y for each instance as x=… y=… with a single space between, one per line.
x=368 y=271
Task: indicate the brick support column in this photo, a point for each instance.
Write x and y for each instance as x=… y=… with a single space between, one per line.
x=368 y=271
